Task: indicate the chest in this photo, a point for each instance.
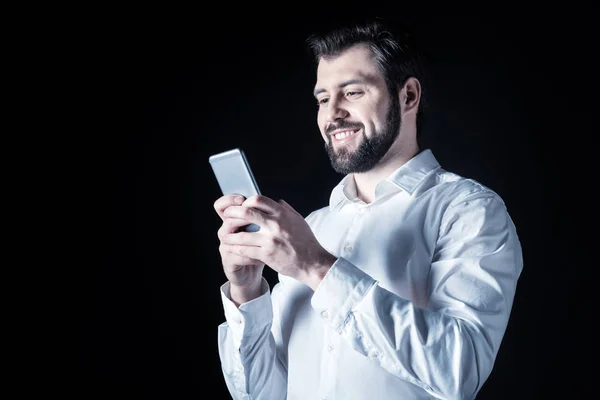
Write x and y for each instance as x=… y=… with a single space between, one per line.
x=393 y=243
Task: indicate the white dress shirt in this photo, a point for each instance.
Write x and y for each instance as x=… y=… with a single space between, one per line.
x=415 y=307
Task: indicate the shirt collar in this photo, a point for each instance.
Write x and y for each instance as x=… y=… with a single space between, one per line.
x=406 y=178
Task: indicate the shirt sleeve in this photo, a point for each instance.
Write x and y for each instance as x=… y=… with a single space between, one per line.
x=247 y=350
x=449 y=347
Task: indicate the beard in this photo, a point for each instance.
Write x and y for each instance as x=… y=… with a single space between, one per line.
x=370 y=150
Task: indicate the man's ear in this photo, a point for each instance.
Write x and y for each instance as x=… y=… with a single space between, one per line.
x=410 y=96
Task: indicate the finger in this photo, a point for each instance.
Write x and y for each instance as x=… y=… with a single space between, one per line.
x=249 y=214
x=242 y=251
x=243 y=238
x=225 y=201
x=263 y=203
x=231 y=225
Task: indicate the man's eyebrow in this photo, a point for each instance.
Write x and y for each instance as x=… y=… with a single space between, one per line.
x=355 y=81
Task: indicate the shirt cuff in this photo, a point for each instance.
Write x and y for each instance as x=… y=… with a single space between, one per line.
x=341 y=290
x=250 y=317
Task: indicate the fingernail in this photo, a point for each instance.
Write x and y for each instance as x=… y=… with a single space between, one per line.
x=238 y=199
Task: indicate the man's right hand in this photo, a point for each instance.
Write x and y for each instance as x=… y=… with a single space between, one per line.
x=244 y=274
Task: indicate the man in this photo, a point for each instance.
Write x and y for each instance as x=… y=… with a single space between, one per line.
x=402 y=286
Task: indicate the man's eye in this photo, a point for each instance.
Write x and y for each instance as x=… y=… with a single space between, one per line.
x=322 y=101
x=352 y=93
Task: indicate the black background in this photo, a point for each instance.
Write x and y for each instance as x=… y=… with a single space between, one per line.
x=165 y=92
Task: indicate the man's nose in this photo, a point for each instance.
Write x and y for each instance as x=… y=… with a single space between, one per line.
x=336 y=111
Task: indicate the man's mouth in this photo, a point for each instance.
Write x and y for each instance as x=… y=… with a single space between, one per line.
x=343 y=134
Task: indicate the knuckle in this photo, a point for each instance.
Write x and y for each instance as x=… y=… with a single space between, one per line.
x=271 y=246
x=276 y=229
x=222 y=231
x=246 y=212
x=272 y=241
x=258 y=199
x=228 y=226
x=223 y=202
x=252 y=200
x=219 y=204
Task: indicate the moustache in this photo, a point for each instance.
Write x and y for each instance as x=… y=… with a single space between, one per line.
x=343 y=125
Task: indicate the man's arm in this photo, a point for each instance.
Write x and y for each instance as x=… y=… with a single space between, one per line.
x=449 y=348
x=250 y=364
x=248 y=355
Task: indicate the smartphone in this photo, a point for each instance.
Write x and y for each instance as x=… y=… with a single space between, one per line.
x=234 y=176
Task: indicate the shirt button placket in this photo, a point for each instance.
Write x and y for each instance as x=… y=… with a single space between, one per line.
x=348 y=247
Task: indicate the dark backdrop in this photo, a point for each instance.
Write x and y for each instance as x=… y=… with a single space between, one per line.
x=168 y=92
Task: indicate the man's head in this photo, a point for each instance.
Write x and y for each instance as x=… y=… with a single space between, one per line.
x=368 y=92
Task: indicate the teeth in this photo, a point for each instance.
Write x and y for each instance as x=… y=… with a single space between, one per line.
x=343 y=135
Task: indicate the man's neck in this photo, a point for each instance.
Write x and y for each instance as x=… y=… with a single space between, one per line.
x=366 y=182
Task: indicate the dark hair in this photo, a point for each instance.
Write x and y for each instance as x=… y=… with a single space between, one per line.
x=393 y=46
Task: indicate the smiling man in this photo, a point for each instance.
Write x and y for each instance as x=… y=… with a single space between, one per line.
x=400 y=287
x=342 y=106
x=359 y=114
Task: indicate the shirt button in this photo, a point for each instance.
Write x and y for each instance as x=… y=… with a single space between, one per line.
x=325 y=314
x=373 y=355
x=362 y=210
x=330 y=348
x=348 y=249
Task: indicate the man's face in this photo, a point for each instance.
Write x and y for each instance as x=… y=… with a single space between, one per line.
x=357 y=117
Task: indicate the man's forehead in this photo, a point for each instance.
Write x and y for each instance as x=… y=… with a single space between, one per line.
x=356 y=63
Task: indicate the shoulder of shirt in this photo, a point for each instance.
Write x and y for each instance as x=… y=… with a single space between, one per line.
x=460 y=188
